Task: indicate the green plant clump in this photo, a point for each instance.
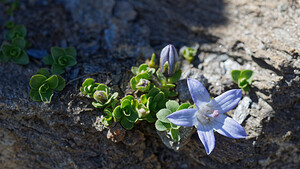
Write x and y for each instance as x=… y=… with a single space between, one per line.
x=60 y=59
x=189 y=53
x=89 y=87
x=102 y=96
x=14 y=52
x=42 y=85
x=163 y=124
x=243 y=78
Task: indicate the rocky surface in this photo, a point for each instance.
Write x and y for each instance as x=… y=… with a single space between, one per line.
x=113 y=35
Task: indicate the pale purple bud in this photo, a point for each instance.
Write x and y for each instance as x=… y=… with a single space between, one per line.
x=169 y=58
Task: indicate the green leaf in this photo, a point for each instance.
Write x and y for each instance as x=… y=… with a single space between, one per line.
x=126 y=104
x=172 y=105
x=9 y=25
x=98 y=105
x=118 y=113
x=36 y=81
x=134 y=116
x=44 y=72
x=175 y=77
x=154 y=91
x=20 y=42
x=103 y=87
x=71 y=60
x=160 y=96
x=142 y=76
x=248 y=74
x=48 y=60
x=23 y=59
x=9 y=35
x=45 y=96
x=52 y=81
x=161 y=126
x=61 y=84
x=144 y=99
x=88 y=81
x=128 y=97
x=143 y=68
x=235 y=74
x=71 y=51
x=175 y=134
x=174 y=126
x=56 y=69
x=133 y=83
x=34 y=95
x=151 y=71
x=169 y=86
x=243 y=83
x=134 y=70
x=21 y=29
x=183 y=106
x=126 y=124
x=115 y=95
x=56 y=52
x=6 y=50
x=149 y=118
x=162 y=115
x=161 y=77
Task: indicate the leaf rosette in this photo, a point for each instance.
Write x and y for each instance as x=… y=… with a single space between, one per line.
x=127 y=112
x=15 y=52
x=61 y=59
x=243 y=78
x=141 y=80
x=89 y=87
x=42 y=85
x=102 y=96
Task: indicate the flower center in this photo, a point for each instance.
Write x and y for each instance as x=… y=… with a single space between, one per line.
x=206 y=113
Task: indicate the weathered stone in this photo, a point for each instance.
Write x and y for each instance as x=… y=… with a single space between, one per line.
x=242 y=110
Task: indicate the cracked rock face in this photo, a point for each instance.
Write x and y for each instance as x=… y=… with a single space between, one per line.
x=110 y=37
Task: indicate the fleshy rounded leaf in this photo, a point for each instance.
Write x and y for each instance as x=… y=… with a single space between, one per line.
x=175 y=134
x=56 y=69
x=118 y=113
x=56 y=52
x=46 y=96
x=143 y=68
x=71 y=51
x=23 y=59
x=61 y=84
x=44 y=72
x=71 y=61
x=103 y=87
x=161 y=126
x=133 y=83
x=20 y=42
x=36 y=81
x=183 y=106
x=52 y=82
x=98 y=105
x=126 y=124
x=162 y=115
x=134 y=116
x=235 y=74
x=134 y=70
x=175 y=77
x=34 y=95
x=172 y=105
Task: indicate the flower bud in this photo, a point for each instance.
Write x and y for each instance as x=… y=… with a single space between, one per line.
x=100 y=96
x=168 y=60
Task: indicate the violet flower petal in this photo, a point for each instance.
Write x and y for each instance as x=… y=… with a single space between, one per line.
x=206 y=135
x=164 y=56
x=198 y=92
x=227 y=100
x=173 y=58
x=228 y=127
x=184 y=117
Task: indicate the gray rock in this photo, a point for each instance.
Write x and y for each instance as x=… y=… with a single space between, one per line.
x=242 y=110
